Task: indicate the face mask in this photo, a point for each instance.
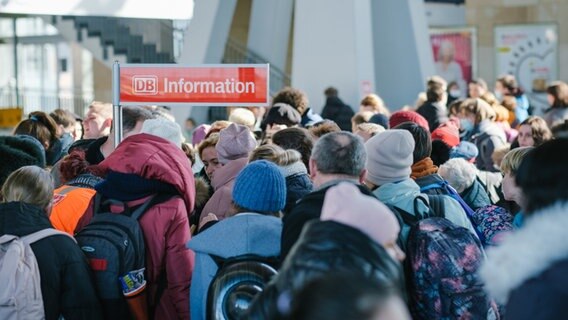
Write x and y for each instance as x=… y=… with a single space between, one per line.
x=466 y=124
x=455 y=93
x=499 y=95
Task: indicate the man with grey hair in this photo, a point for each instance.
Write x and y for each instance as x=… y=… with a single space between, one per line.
x=336 y=157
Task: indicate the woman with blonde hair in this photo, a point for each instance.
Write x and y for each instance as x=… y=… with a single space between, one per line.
x=66 y=286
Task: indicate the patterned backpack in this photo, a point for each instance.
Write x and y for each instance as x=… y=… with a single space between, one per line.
x=441 y=268
x=493 y=222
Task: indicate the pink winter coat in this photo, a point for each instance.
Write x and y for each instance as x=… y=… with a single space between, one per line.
x=222 y=183
x=165 y=225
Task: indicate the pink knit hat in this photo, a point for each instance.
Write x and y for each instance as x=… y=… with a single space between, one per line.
x=345 y=204
x=199 y=134
x=235 y=142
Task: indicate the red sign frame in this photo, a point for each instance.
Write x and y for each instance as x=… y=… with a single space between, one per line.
x=205 y=85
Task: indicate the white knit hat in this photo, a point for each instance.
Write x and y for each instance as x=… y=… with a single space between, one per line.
x=163 y=128
x=389 y=156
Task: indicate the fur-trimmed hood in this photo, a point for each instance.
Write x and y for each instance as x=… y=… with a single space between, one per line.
x=528 y=252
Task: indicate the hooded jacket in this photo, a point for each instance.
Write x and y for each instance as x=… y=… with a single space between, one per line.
x=66 y=281
x=403 y=194
x=245 y=233
x=151 y=159
x=528 y=270
x=325 y=246
x=222 y=182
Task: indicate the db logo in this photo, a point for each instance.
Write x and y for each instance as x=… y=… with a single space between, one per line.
x=145 y=85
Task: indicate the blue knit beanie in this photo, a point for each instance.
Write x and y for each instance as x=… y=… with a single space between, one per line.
x=260 y=187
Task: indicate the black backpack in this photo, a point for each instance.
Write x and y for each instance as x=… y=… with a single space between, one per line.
x=237 y=281
x=114 y=246
x=435 y=203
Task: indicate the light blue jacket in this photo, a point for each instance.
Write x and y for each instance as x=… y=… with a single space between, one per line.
x=402 y=195
x=245 y=233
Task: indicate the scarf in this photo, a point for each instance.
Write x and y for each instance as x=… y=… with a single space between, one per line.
x=129 y=187
x=422 y=168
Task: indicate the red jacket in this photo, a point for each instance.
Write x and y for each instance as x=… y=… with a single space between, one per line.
x=165 y=226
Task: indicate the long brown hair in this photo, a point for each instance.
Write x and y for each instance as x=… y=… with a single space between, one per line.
x=40 y=126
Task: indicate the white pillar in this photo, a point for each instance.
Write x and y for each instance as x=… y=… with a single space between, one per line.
x=269 y=30
x=333 y=46
x=204 y=42
x=403 y=53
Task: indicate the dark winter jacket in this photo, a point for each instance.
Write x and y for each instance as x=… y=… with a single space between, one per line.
x=298 y=184
x=66 y=280
x=435 y=113
x=339 y=112
x=309 y=118
x=307 y=209
x=325 y=246
x=527 y=271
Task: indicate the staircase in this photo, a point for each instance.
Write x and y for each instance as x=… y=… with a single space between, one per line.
x=115 y=39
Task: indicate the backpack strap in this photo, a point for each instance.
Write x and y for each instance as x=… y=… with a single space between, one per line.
x=152 y=201
x=48 y=232
x=437 y=207
x=404 y=217
x=7 y=238
x=434 y=185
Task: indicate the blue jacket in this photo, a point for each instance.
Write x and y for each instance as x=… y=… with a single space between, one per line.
x=522 y=109
x=245 y=233
x=298 y=184
x=402 y=194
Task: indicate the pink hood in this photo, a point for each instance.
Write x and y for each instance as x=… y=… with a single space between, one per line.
x=152 y=157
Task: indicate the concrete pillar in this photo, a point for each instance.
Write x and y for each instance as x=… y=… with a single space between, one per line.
x=204 y=42
x=269 y=30
x=333 y=46
x=403 y=53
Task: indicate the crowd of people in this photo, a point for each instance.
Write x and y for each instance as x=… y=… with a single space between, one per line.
x=435 y=211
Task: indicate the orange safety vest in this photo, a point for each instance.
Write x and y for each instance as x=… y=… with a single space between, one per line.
x=69 y=205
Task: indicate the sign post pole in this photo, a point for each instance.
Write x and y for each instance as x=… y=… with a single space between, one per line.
x=116 y=109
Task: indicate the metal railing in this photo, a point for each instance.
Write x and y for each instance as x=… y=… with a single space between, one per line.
x=35 y=100
x=236 y=52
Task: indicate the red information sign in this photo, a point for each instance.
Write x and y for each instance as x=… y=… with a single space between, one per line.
x=210 y=85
